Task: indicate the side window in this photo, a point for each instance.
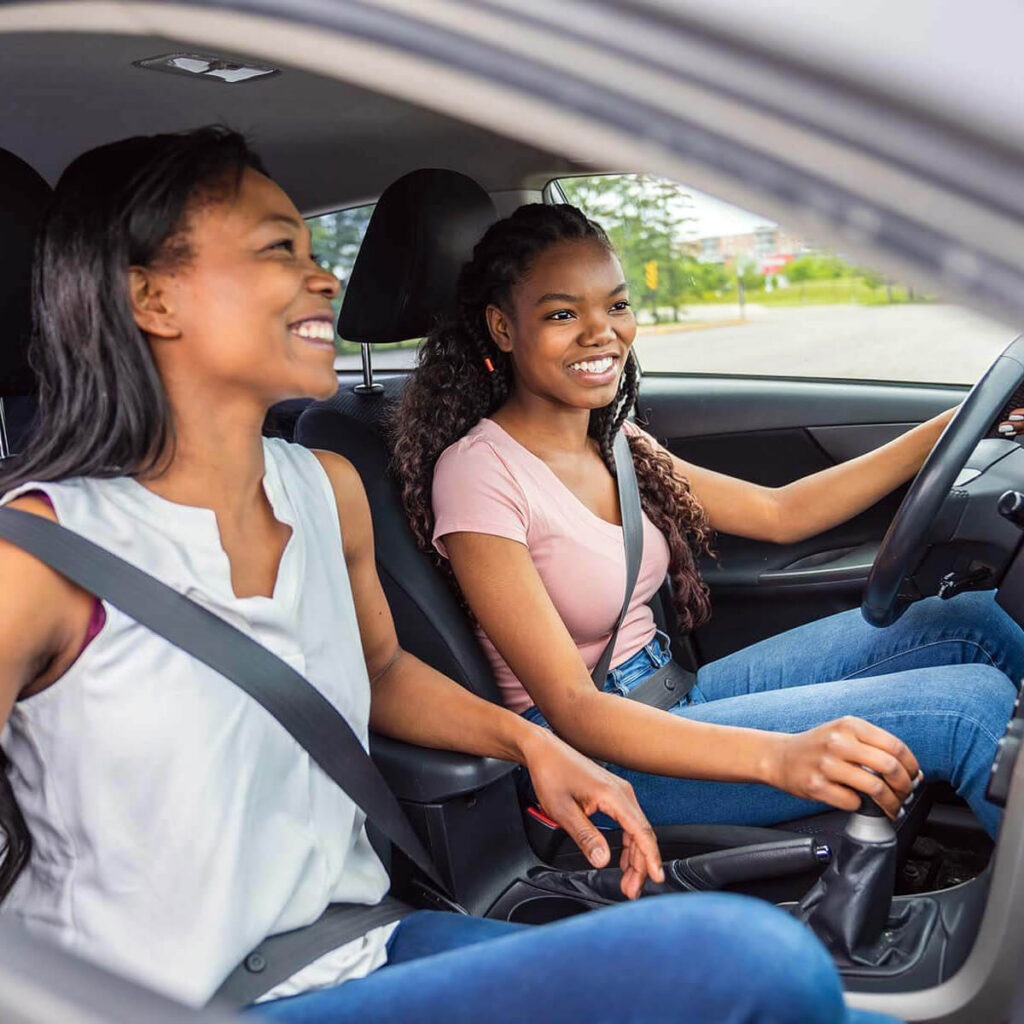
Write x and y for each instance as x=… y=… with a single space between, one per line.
x=722 y=290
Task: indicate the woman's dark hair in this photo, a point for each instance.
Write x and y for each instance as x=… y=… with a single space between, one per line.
x=452 y=390
x=103 y=411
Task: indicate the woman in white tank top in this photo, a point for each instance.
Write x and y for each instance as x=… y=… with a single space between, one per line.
x=174 y=824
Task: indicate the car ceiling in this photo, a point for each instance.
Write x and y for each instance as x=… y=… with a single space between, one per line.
x=330 y=144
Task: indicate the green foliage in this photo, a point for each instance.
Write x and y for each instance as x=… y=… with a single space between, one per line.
x=818 y=267
x=644 y=217
x=336 y=241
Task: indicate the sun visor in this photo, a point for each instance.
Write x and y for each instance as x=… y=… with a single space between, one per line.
x=422 y=231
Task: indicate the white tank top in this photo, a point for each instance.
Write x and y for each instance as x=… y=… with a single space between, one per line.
x=175 y=823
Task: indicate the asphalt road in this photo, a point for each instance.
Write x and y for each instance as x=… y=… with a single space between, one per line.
x=927 y=342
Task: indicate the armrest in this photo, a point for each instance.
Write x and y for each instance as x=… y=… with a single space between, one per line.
x=427 y=776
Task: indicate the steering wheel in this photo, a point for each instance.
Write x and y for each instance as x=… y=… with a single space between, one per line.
x=906 y=539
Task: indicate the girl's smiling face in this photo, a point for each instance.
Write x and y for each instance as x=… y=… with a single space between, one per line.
x=568 y=326
x=248 y=308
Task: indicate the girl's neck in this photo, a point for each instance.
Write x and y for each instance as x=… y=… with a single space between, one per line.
x=544 y=427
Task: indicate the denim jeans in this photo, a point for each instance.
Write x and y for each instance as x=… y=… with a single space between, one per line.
x=696 y=958
x=943 y=678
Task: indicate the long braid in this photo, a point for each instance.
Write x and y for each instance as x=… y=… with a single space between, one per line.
x=452 y=389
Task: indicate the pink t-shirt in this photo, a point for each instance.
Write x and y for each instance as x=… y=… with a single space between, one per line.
x=487 y=482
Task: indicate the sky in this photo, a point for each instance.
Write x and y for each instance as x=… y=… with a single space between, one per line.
x=715 y=217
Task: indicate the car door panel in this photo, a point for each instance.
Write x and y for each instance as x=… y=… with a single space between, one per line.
x=772 y=431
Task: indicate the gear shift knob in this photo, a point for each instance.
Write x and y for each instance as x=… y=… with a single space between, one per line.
x=869 y=824
x=869 y=807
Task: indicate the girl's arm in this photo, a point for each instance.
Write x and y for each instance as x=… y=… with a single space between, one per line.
x=410 y=701
x=814 y=503
x=827 y=764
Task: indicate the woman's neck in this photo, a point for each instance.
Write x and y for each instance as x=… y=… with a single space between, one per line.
x=543 y=427
x=217 y=460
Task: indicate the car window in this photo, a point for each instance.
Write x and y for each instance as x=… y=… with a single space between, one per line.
x=337 y=238
x=718 y=289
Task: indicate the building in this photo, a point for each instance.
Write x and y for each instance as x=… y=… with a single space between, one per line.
x=768 y=247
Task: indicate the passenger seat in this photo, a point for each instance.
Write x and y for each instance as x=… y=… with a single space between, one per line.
x=422 y=230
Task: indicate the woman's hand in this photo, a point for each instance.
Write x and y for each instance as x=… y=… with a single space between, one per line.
x=829 y=763
x=570 y=788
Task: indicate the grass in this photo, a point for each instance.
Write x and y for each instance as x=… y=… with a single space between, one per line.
x=818 y=293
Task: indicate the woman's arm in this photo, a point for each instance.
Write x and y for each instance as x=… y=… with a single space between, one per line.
x=412 y=702
x=824 y=764
x=817 y=502
x=43 y=621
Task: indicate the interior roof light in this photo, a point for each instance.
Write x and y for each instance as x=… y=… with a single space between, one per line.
x=209 y=66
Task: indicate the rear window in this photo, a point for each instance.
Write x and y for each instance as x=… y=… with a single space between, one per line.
x=337 y=238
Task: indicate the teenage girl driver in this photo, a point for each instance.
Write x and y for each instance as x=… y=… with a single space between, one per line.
x=504 y=449
x=173 y=823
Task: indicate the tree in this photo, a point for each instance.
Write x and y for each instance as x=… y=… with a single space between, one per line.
x=336 y=241
x=644 y=217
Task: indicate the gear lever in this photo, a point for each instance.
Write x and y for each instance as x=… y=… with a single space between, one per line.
x=848 y=907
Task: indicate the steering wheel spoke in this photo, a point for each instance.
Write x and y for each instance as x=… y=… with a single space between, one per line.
x=908 y=537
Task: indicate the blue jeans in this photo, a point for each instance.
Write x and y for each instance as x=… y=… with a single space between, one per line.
x=939 y=678
x=708 y=957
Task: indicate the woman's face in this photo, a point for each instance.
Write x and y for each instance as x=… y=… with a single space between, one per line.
x=569 y=327
x=250 y=312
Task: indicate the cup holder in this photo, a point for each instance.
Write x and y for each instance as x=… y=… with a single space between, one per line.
x=543 y=909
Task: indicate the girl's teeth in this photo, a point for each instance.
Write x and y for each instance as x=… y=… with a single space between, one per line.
x=593 y=366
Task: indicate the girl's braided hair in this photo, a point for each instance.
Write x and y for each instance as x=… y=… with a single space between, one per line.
x=452 y=389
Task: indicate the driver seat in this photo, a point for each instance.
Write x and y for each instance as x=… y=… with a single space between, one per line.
x=422 y=231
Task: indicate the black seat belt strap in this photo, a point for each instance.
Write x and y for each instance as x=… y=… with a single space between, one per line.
x=633 y=538
x=313 y=722
x=279 y=957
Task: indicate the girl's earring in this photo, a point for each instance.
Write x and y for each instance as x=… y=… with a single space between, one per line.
x=489 y=365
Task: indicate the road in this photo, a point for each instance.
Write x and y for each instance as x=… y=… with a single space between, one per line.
x=928 y=342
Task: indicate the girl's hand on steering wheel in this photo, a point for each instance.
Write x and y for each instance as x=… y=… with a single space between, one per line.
x=1013 y=425
x=830 y=764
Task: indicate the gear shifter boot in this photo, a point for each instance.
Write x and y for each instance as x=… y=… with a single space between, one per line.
x=849 y=906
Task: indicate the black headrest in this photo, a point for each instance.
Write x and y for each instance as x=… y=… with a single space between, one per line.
x=23 y=198
x=422 y=231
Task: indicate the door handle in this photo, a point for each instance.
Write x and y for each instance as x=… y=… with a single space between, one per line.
x=847 y=565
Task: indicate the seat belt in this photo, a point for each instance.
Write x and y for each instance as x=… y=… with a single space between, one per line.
x=280 y=956
x=667 y=686
x=633 y=536
x=313 y=722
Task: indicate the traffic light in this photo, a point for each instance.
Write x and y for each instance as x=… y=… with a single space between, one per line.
x=651 y=275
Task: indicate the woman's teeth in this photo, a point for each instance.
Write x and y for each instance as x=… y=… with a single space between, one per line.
x=314 y=330
x=593 y=365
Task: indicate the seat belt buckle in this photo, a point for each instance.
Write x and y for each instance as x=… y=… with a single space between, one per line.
x=544 y=834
